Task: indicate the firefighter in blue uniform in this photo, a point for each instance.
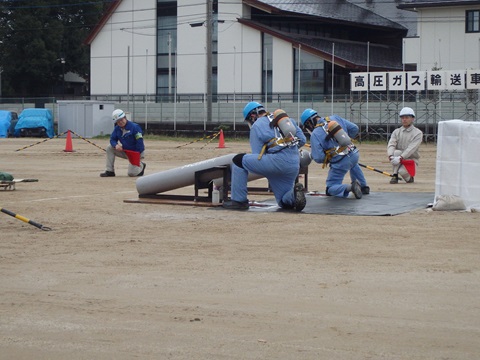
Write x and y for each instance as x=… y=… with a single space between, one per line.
x=274 y=140
x=330 y=140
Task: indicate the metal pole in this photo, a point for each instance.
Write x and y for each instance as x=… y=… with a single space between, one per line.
x=169 y=63
x=333 y=72
x=266 y=74
x=128 y=78
x=209 y=27
x=403 y=68
x=175 y=98
x=146 y=88
x=234 y=99
x=298 y=83
x=63 y=80
x=368 y=79
x=24 y=219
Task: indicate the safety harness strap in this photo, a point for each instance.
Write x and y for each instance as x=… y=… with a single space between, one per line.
x=272 y=143
x=330 y=153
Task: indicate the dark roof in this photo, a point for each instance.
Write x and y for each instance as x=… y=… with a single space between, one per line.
x=348 y=54
x=93 y=34
x=335 y=10
x=435 y=3
x=389 y=10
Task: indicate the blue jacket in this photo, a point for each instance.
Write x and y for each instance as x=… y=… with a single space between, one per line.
x=319 y=142
x=261 y=132
x=131 y=137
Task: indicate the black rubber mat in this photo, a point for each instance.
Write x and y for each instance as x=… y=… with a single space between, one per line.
x=374 y=204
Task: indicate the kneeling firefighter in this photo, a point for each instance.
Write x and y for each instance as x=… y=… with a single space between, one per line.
x=275 y=140
x=331 y=144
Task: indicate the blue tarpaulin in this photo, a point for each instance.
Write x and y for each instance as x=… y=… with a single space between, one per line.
x=5 y=120
x=35 y=119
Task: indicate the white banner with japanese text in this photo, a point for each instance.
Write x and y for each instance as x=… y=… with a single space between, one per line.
x=415 y=80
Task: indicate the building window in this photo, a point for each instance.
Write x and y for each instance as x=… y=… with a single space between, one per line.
x=267 y=60
x=472 y=21
x=311 y=72
x=166 y=46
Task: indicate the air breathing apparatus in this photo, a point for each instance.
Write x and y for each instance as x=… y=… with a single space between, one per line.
x=285 y=129
x=335 y=131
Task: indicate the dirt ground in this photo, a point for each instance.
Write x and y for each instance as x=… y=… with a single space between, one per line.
x=119 y=280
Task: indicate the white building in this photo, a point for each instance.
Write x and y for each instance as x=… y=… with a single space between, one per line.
x=448 y=35
x=150 y=47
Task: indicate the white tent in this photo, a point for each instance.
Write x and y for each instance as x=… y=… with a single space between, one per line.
x=458 y=160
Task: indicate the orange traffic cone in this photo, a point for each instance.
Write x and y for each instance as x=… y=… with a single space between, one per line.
x=68 y=143
x=221 y=140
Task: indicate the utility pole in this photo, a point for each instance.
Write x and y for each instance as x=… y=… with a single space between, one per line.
x=209 y=26
x=169 y=41
x=63 y=77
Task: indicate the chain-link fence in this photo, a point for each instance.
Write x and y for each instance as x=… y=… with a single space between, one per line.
x=375 y=113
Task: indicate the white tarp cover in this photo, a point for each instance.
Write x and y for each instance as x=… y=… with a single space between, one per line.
x=458 y=160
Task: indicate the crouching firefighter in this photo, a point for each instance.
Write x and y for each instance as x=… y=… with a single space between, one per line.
x=274 y=140
x=331 y=144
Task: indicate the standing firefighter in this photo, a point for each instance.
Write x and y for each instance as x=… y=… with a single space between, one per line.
x=402 y=148
x=330 y=139
x=274 y=140
x=126 y=141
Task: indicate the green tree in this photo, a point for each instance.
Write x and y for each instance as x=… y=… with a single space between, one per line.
x=43 y=40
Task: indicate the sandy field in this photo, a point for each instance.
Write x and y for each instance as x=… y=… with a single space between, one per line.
x=120 y=280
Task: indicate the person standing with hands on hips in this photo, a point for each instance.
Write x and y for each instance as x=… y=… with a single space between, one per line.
x=403 y=147
x=126 y=141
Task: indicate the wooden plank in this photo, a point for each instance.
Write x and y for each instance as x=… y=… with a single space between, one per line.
x=172 y=200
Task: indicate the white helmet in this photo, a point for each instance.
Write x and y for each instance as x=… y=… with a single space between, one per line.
x=117 y=115
x=406 y=111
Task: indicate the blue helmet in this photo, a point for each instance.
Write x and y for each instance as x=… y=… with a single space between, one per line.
x=307 y=114
x=250 y=107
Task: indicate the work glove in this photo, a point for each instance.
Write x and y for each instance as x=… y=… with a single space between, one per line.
x=396 y=160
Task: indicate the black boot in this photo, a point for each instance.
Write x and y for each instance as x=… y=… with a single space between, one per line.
x=107 y=174
x=143 y=170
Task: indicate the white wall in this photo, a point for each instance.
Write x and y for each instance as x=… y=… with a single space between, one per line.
x=191 y=44
x=133 y=25
x=246 y=57
x=282 y=66
x=443 y=42
x=251 y=60
x=239 y=51
x=229 y=47
x=411 y=50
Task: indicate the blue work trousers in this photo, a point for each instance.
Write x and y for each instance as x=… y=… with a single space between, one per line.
x=339 y=169
x=280 y=169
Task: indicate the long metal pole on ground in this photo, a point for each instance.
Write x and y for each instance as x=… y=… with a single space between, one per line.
x=376 y=170
x=24 y=219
